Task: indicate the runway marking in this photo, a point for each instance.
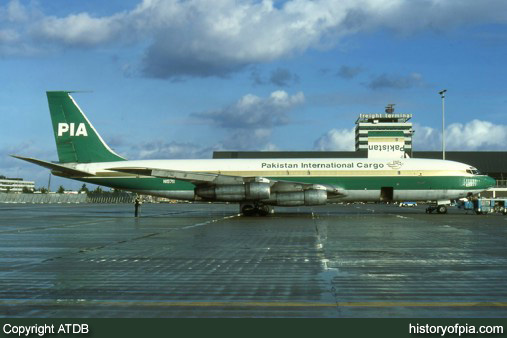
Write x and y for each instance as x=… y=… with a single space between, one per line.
x=399 y=216
x=209 y=222
x=84 y=302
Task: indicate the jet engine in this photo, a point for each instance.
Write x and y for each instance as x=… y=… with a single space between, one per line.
x=307 y=197
x=251 y=191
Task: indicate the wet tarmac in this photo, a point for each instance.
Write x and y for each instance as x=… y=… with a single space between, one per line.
x=203 y=260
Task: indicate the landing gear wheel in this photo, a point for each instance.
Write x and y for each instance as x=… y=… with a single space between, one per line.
x=442 y=209
x=255 y=209
x=264 y=210
x=248 y=210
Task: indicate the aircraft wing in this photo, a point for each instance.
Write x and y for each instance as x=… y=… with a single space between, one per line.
x=203 y=178
x=55 y=167
x=189 y=176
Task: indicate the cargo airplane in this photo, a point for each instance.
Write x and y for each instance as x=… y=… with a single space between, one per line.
x=256 y=184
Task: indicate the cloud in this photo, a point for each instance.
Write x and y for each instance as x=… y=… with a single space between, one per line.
x=396 y=81
x=473 y=135
x=15 y=23
x=408 y=17
x=216 y=38
x=12 y=167
x=175 y=150
x=249 y=122
x=256 y=139
x=336 y=139
x=348 y=72
x=8 y=35
x=79 y=29
x=426 y=138
x=253 y=112
x=158 y=149
x=282 y=77
x=476 y=135
x=14 y=12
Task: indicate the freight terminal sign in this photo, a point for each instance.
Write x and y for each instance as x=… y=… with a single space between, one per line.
x=386 y=148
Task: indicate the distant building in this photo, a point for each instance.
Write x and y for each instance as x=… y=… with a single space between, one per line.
x=15 y=185
x=384 y=131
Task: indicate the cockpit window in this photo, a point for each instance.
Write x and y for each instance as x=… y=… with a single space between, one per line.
x=473 y=171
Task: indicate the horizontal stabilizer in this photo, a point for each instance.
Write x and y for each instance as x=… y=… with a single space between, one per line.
x=56 y=167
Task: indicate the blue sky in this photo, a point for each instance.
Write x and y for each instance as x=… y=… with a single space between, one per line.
x=179 y=79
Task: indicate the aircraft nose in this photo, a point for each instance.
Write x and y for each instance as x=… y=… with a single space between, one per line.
x=490 y=182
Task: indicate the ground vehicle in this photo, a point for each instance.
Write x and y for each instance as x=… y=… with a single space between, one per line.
x=485 y=205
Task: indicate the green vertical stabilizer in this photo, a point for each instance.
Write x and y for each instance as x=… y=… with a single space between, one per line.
x=76 y=138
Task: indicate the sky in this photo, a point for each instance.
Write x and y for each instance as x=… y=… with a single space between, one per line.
x=164 y=79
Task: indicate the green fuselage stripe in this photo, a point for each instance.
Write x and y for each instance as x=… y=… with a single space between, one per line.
x=347 y=183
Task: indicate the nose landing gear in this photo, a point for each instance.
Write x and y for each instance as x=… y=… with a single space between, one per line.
x=441 y=209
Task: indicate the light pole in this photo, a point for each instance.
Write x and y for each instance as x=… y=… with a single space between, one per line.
x=442 y=94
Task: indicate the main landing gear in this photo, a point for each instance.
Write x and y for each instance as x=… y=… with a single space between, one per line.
x=441 y=209
x=255 y=209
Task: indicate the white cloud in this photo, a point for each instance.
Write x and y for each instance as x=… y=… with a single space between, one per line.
x=476 y=135
x=79 y=29
x=163 y=149
x=336 y=139
x=250 y=121
x=473 y=135
x=14 y=11
x=215 y=38
x=247 y=124
x=255 y=113
x=426 y=138
x=8 y=36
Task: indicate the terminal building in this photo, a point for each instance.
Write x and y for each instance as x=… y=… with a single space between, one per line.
x=15 y=185
x=382 y=130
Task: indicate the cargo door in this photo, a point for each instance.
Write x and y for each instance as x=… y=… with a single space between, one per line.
x=386 y=194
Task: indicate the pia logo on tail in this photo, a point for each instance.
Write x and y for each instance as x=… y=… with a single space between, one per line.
x=72 y=130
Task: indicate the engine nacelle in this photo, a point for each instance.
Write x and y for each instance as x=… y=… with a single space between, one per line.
x=252 y=191
x=307 y=197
